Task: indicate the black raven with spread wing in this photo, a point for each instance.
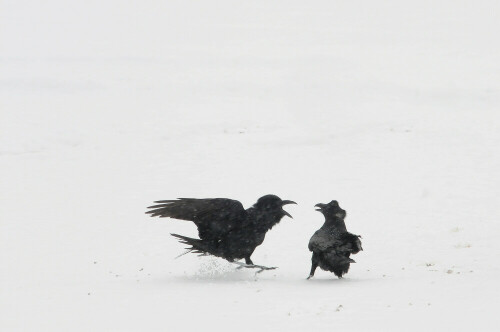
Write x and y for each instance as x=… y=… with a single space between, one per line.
x=225 y=228
x=332 y=244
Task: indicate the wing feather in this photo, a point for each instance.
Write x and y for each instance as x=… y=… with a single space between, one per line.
x=214 y=217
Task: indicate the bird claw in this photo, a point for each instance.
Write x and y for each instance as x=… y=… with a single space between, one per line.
x=253 y=266
x=265 y=268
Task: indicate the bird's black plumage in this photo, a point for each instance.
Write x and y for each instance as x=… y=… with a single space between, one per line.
x=225 y=228
x=332 y=244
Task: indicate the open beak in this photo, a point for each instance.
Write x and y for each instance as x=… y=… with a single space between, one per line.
x=285 y=202
x=319 y=206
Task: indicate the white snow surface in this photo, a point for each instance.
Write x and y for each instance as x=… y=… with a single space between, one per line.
x=389 y=107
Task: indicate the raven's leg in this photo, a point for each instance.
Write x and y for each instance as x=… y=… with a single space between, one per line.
x=250 y=264
x=314 y=266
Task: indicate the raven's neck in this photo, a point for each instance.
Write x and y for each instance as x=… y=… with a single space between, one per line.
x=264 y=220
x=335 y=222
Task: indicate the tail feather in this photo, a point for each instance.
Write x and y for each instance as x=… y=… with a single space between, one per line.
x=196 y=246
x=185 y=252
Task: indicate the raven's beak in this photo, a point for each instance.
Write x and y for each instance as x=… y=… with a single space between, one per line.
x=319 y=206
x=285 y=202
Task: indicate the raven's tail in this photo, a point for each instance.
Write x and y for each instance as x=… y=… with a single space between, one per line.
x=197 y=246
x=336 y=262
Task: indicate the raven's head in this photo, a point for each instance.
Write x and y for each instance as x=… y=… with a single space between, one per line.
x=331 y=209
x=273 y=204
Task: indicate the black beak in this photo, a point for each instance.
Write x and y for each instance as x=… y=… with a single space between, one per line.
x=285 y=202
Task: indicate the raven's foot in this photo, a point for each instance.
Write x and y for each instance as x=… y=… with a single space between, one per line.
x=310 y=276
x=253 y=266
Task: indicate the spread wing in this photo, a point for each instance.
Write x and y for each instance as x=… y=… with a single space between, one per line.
x=214 y=217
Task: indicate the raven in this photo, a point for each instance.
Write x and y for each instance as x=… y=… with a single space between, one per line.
x=225 y=228
x=332 y=244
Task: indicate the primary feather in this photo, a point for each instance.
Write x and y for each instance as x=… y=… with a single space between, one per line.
x=214 y=217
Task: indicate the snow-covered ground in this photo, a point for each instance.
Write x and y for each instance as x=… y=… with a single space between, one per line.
x=390 y=107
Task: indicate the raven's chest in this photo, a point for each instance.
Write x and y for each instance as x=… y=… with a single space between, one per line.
x=334 y=233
